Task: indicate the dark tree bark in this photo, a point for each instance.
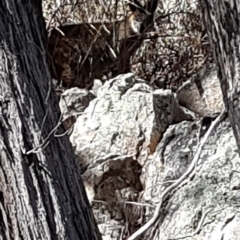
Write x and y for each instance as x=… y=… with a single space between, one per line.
x=222 y=21
x=41 y=195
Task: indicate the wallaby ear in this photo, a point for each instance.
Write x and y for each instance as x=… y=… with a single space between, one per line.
x=151 y=6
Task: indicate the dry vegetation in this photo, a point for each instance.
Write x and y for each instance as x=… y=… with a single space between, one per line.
x=172 y=51
x=176 y=49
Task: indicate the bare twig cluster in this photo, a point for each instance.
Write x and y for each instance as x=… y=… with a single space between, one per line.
x=176 y=49
x=59 y=12
x=172 y=52
x=81 y=52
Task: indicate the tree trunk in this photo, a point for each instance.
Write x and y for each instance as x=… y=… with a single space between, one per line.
x=223 y=25
x=41 y=196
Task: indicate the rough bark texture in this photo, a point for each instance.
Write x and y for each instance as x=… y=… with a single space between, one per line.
x=41 y=196
x=222 y=22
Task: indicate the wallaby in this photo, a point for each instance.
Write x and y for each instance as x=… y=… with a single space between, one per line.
x=82 y=52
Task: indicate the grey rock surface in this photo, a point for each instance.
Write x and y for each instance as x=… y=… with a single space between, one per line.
x=132 y=143
x=116 y=135
x=202 y=93
x=211 y=197
x=72 y=104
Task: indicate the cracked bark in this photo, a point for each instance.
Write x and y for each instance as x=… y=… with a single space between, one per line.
x=41 y=194
x=221 y=19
